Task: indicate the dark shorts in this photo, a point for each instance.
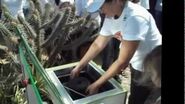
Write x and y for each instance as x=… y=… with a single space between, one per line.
x=138 y=93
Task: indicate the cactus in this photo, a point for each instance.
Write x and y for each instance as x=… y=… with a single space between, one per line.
x=63 y=29
x=40 y=34
x=37 y=6
x=10 y=39
x=28 y=27
x=58 y=48
x=57 y=28
x=47 y=12
x=67 y=33
x=4 y=48
x=10 y=77
x=52 y=22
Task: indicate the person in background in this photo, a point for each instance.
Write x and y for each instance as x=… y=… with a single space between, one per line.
x=151 y=76
x=0 y=10
x=155 y=8
x=43 y=2
x=158 y=14
x=143 y=3
x=110 y=52
x=65 y=3
x=152 y=7
x=26 y=8
x=15 y=7
x=139 y=35
x=80 y=6
x=26 y=5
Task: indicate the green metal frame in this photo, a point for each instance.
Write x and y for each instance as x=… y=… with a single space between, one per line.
x=39 y=68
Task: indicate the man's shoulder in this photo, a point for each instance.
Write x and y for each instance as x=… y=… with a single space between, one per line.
x=136 y=10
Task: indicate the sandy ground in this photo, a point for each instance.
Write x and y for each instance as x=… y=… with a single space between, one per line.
x=125 y=81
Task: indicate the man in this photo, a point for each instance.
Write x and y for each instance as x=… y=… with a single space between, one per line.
x=139 y=35
x=107 y=56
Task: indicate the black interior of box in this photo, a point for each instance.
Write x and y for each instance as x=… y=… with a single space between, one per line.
x=89 y=73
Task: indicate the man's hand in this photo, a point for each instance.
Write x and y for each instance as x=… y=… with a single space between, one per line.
x=75 y=72
x=92 y=89
x=118 y=36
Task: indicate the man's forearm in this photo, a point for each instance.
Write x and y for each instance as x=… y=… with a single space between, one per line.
x=126 y=53
x=111 y=72
x=90 y=54
x=94 y=50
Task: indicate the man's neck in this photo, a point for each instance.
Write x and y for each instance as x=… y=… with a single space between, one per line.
x=120 y=10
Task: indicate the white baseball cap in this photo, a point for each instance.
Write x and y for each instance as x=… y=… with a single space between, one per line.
x=94 y=5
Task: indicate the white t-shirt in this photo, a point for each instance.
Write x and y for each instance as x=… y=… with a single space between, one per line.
x=15 y=7
x=135 y=23
x=145 y=4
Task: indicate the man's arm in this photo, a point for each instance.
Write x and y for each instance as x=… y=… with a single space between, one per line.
x=127 y=50
x=95 y=49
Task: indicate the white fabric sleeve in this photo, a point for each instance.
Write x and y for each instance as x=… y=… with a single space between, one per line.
x=78 y=7
x=105 y=30
x=136 y=28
